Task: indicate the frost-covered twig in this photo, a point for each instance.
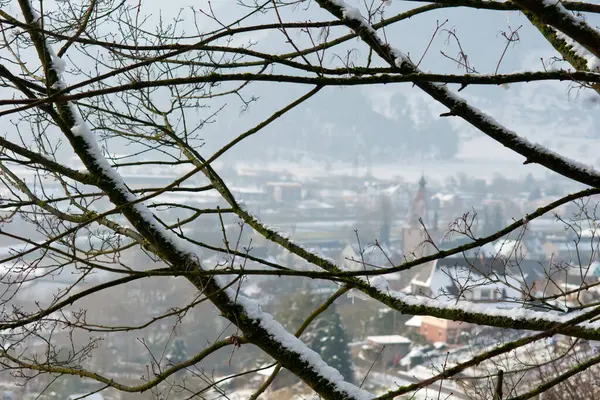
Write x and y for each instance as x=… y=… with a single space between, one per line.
x=258 y=327
x=363 y=76
x=593 y=62
x=579 y=57
x=553 y=13
x=575 y=5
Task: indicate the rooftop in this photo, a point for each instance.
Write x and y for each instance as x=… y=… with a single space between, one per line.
x=414 y=321
x=388 y=339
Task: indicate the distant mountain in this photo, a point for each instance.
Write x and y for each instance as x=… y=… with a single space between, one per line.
x=397 y=122
x=344 y=124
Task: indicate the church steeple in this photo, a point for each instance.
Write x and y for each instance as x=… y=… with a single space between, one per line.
x=413 y=233
x=419 y=205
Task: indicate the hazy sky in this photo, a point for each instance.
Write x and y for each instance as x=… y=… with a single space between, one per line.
x=345 y=121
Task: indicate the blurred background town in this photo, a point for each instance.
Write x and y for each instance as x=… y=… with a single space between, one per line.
x=360 y=222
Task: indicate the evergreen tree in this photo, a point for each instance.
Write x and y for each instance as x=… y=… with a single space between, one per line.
x=329 y=340
x=325 y=335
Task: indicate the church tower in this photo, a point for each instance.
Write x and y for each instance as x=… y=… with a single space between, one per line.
x=413 y=234
x=419 y=205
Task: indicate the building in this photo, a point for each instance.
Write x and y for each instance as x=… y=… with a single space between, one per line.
x=437 y=330
x=394 y=346
x=476 y=279
x=413 y=324
x=420 y=216
x=284 y=191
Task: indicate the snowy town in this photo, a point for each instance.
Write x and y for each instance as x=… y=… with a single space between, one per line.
x=363 y=223
x=299 y=200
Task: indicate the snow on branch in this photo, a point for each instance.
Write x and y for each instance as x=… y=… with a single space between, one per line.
x=485 y=314
x=491 y=310
x=80 y=129
x=553 y=13
x=292 y=343
x=593 y=62
x=495 y=314
x=288 y=343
